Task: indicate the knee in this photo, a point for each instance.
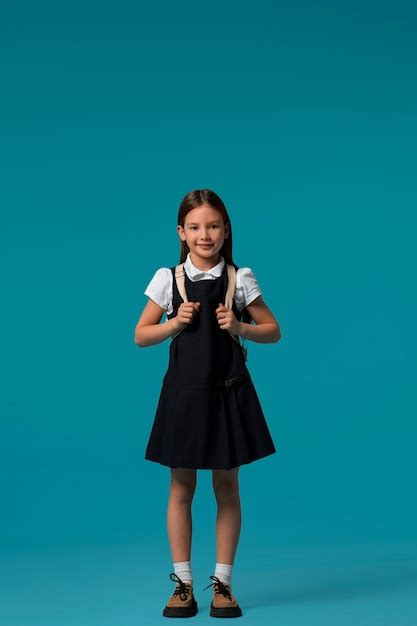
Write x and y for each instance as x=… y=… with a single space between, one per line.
x=226 y=490
x=182 y=490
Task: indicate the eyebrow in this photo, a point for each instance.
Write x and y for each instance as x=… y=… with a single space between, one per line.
x=196 y=223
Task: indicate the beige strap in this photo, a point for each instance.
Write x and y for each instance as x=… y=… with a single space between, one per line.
x=228 y=300
x=180 y=279
x=231 y=274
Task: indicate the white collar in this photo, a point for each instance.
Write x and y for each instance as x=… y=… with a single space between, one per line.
x=194 y=273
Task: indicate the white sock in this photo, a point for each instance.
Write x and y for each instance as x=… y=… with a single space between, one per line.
x=224 y=573
x=183 y=570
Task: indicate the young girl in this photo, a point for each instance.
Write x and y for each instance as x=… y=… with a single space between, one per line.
x=208 y=415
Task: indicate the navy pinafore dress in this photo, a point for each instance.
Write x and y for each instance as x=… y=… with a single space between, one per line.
x=208 y=414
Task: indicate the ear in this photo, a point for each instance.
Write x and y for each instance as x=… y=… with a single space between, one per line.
x=180 y=231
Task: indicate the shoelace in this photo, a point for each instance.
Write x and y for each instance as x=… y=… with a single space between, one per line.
x=182 y=588
x=219 y=587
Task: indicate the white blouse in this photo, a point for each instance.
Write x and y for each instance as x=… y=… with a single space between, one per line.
x=160 y=287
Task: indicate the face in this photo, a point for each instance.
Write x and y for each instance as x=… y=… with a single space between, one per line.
x=204 y=232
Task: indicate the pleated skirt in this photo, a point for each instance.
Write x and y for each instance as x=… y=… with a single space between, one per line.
x=209 y=427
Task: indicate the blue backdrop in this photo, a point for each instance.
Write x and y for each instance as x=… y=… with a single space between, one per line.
x=303 y=119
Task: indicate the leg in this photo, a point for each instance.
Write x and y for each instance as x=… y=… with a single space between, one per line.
x=229 y=518
x=179 y=521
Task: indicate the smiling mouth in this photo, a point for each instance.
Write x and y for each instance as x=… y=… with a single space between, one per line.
x=206 y=245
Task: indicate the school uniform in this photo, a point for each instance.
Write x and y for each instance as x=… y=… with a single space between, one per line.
x=208 y=414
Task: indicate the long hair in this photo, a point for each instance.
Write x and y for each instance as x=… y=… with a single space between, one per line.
x=194 y=199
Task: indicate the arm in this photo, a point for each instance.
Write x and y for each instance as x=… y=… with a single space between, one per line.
x=266 y=328
x=149 y=331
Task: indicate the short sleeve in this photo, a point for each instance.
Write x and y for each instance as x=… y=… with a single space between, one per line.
x=159 y=288
x=247 y=287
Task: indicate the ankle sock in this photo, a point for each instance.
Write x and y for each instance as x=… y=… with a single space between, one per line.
x=223 y=572
x=183 y=570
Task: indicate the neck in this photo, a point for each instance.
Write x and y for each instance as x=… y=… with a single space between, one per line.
x=204 y=263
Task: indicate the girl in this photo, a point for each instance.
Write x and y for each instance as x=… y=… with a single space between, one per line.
x=208 y=415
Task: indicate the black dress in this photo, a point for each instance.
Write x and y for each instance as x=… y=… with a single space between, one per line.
x=208 y=415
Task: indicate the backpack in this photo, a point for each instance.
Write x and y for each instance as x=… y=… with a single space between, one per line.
x=231 y=273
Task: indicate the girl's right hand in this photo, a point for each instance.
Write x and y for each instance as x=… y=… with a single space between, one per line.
x=186 y=313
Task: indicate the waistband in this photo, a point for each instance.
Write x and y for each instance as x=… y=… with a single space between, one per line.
x=221 y=384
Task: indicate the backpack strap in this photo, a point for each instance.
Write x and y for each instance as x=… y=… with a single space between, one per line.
x=180 y=280
x=228 y=302
x=231 y=284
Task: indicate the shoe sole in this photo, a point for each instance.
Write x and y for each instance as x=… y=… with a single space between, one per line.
x=234 y=611
x=186 y=611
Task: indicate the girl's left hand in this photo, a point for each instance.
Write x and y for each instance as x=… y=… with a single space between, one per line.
x=227 y=319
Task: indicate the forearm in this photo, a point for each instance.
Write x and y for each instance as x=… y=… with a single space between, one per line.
x=261 y=333
x=155 y=333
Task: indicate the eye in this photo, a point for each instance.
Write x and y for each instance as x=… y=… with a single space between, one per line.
x=212 y=225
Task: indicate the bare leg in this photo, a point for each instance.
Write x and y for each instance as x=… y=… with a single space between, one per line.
x=229 y=517
x=179 y=521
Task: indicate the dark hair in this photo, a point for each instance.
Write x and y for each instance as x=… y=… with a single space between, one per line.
x=191 y=201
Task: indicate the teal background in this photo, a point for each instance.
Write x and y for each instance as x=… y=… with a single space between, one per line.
x=303 y=119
